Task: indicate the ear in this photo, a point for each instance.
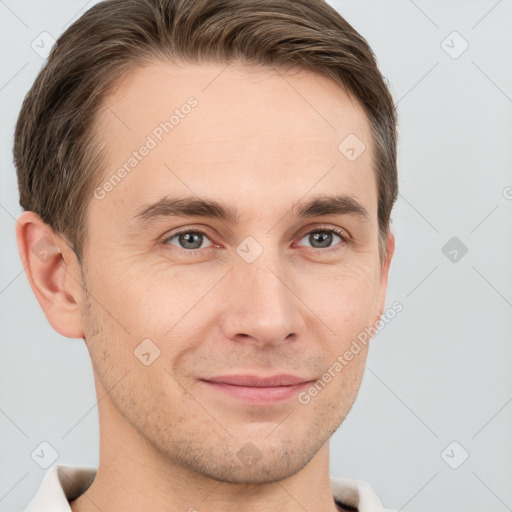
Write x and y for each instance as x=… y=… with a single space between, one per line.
x=53 y=272
x=390 y=246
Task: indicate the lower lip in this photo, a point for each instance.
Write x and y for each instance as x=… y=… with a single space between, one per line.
x=258 y=395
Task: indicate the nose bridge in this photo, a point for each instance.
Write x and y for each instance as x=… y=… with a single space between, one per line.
x=262 y=306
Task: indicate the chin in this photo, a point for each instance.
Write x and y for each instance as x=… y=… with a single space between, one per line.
x=261 y=472
x=249 y=464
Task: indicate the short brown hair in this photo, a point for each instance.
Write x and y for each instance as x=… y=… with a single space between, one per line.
x=59 y=162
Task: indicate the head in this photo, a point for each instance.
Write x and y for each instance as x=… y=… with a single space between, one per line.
x=174 y=161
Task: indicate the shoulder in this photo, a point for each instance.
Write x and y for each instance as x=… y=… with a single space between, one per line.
x=59 y=486
x=355 y=494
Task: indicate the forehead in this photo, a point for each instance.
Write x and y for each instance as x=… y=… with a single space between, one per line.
x=211 y=129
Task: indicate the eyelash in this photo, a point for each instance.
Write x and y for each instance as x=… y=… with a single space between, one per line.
x=322 y=229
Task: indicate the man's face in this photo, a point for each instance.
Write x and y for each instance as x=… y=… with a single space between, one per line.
x=269 y=293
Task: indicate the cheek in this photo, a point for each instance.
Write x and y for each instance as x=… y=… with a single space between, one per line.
x=135 y=295
x=158 y=309
x=344 y=298
x=125 y=358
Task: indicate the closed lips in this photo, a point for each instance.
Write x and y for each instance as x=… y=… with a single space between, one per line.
x=256 y=381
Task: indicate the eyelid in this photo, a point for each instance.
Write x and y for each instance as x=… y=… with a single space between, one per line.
x=189 y=229
x=342 y=233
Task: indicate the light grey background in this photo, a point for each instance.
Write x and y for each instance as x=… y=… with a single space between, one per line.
x=439 y=372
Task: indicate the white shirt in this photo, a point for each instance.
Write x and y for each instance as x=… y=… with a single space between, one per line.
x=62 y=484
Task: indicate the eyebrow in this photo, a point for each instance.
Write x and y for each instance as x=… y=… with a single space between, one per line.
x=191 y=206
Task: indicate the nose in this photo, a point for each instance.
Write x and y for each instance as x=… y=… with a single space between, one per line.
x=261 y=306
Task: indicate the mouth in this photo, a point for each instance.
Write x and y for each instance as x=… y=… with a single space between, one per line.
x=258 y=390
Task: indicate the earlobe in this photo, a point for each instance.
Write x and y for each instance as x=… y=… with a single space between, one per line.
x=53 y=273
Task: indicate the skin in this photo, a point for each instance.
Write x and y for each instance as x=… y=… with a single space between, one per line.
x=259 y=140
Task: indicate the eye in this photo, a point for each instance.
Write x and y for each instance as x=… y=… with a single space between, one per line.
x=191 y=241
x=188 y=239
x=323 y=238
